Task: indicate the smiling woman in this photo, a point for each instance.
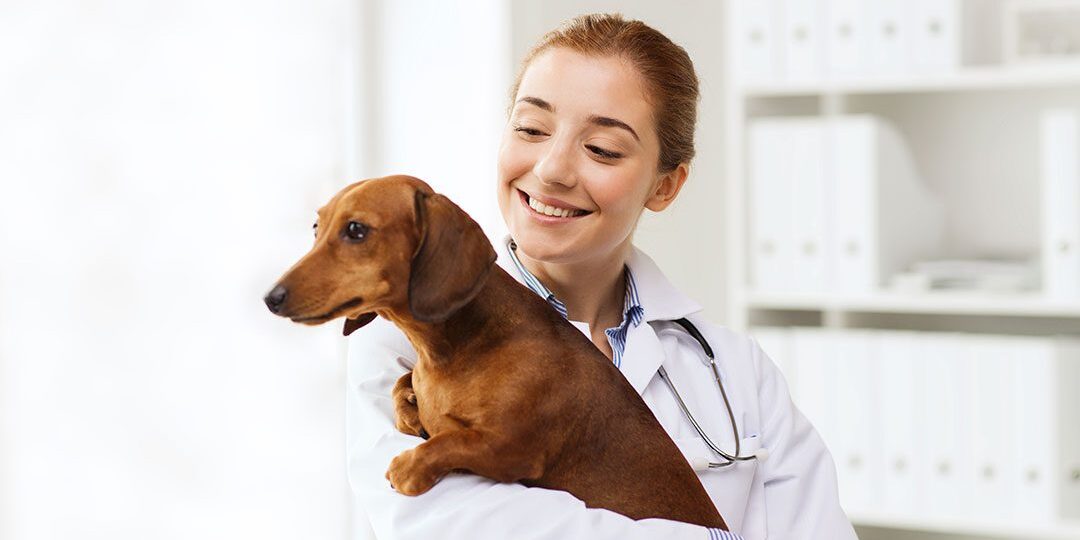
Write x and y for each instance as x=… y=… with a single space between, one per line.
x=586 y=149
x=600 y=129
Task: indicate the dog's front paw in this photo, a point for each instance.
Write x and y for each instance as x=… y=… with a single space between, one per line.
x=406 y=412
x=408 y=474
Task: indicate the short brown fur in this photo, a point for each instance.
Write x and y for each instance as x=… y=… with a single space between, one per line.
x=503 y=387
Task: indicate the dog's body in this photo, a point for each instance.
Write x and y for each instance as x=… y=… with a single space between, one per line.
x=514 y=392
x=504 y=387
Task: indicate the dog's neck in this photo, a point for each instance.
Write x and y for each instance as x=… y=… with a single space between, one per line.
x=479 y=321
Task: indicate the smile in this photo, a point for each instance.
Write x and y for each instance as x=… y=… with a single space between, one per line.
x=539 y=208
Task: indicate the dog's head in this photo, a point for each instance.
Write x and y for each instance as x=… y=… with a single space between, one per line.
x=386 y=243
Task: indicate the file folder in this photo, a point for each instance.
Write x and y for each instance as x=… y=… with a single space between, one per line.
x=846 y=38
x=1059 y=143
x=803 y=42
x=757 y=53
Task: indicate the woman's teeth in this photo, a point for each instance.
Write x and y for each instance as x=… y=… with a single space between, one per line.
x=553 y=211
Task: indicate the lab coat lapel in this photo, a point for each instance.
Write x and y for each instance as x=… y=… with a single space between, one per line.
x=642 y=357
x=661 y=301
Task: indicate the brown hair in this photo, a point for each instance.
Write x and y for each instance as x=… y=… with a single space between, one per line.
x=670 y=80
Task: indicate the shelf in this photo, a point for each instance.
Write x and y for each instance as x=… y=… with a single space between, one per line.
x=1003 y=305
x=988 y=78
x=1062 y=531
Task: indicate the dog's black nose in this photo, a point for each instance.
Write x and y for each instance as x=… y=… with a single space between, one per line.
x=275 y=298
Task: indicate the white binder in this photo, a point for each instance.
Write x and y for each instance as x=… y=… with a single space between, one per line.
x=889 y=42
x=771 y=245
x=883 y=217
x=805 y=157
x=944 y=414
x=1059 y=143
x=757 y=52
x=899 y=387
x=1045 y=484
x=1034 y=414
x=991 y=458
x=854 y=445
x=934 y=29
x=846 y=38
x=788 y=204
x=802 y=39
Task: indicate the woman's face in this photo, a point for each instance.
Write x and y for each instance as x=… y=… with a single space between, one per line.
x=580 y=144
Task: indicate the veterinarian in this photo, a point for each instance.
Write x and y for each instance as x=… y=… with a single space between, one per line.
x=601 y=127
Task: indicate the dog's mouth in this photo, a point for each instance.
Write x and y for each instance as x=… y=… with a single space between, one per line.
x=329 y=314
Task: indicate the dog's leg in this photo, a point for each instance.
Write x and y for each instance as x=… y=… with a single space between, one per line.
x=415 y=471
x=406 y=412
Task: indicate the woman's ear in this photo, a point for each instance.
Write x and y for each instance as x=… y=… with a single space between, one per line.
x=667 y=188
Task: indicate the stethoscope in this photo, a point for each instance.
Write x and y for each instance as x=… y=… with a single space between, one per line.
x=761 y=454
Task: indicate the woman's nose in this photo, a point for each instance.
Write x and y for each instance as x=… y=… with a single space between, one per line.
x=556 y=164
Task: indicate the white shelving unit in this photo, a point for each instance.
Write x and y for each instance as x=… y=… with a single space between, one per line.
x=967 y=79
x=975 y=112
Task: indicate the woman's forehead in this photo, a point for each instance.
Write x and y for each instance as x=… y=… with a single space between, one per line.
x=578 y=84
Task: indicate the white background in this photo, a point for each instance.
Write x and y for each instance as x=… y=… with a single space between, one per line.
x=160 y=164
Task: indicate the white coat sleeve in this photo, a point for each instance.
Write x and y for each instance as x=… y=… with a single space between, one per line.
x=801 y=497
x=461 y=506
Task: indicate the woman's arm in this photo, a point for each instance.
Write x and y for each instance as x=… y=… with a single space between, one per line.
x=461 y=506
x=801 y=497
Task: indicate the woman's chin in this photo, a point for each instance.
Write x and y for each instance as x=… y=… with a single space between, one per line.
x=540 y=247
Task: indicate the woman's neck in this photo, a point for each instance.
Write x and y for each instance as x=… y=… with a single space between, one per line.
x=593 y=290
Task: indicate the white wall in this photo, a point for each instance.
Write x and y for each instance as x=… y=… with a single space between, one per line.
x=160 y=164
x=439 y=76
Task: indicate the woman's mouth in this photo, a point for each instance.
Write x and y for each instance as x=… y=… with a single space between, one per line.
x=542 y=210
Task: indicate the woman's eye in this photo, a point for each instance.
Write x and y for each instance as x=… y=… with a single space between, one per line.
x=603 y=153
x=529 y=131
x=356 y=230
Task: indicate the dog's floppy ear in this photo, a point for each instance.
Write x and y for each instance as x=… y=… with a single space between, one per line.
x=452 y=260
x=351 y=325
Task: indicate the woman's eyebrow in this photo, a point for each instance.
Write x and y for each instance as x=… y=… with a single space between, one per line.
x=538 y=102
x=593 y=119
x=611 y=122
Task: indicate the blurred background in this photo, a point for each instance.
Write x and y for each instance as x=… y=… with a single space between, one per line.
x=888 y=194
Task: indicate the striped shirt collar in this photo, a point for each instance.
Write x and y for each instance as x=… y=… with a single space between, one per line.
x=633 y=312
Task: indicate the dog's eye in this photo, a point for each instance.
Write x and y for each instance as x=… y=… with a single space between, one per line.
x=355 y=230
x=315 y=229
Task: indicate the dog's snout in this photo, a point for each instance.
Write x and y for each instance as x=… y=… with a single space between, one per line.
x=275 y=298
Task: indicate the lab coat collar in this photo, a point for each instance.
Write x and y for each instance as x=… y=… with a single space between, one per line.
x=657 y=296
x=660 y=300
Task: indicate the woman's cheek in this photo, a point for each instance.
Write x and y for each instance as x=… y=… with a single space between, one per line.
x=514 y=159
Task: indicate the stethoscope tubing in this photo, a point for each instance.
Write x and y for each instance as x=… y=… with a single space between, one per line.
x=729 y=458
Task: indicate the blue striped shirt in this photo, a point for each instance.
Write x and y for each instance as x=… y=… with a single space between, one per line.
x=718 y=534
x=633 y=313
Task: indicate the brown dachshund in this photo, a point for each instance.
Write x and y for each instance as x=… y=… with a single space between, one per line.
x=503 y=387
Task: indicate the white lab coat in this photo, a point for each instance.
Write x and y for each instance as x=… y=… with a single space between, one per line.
x=791 y=495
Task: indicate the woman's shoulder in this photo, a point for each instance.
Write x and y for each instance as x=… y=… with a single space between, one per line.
x=719 y=333
x=738 y=349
